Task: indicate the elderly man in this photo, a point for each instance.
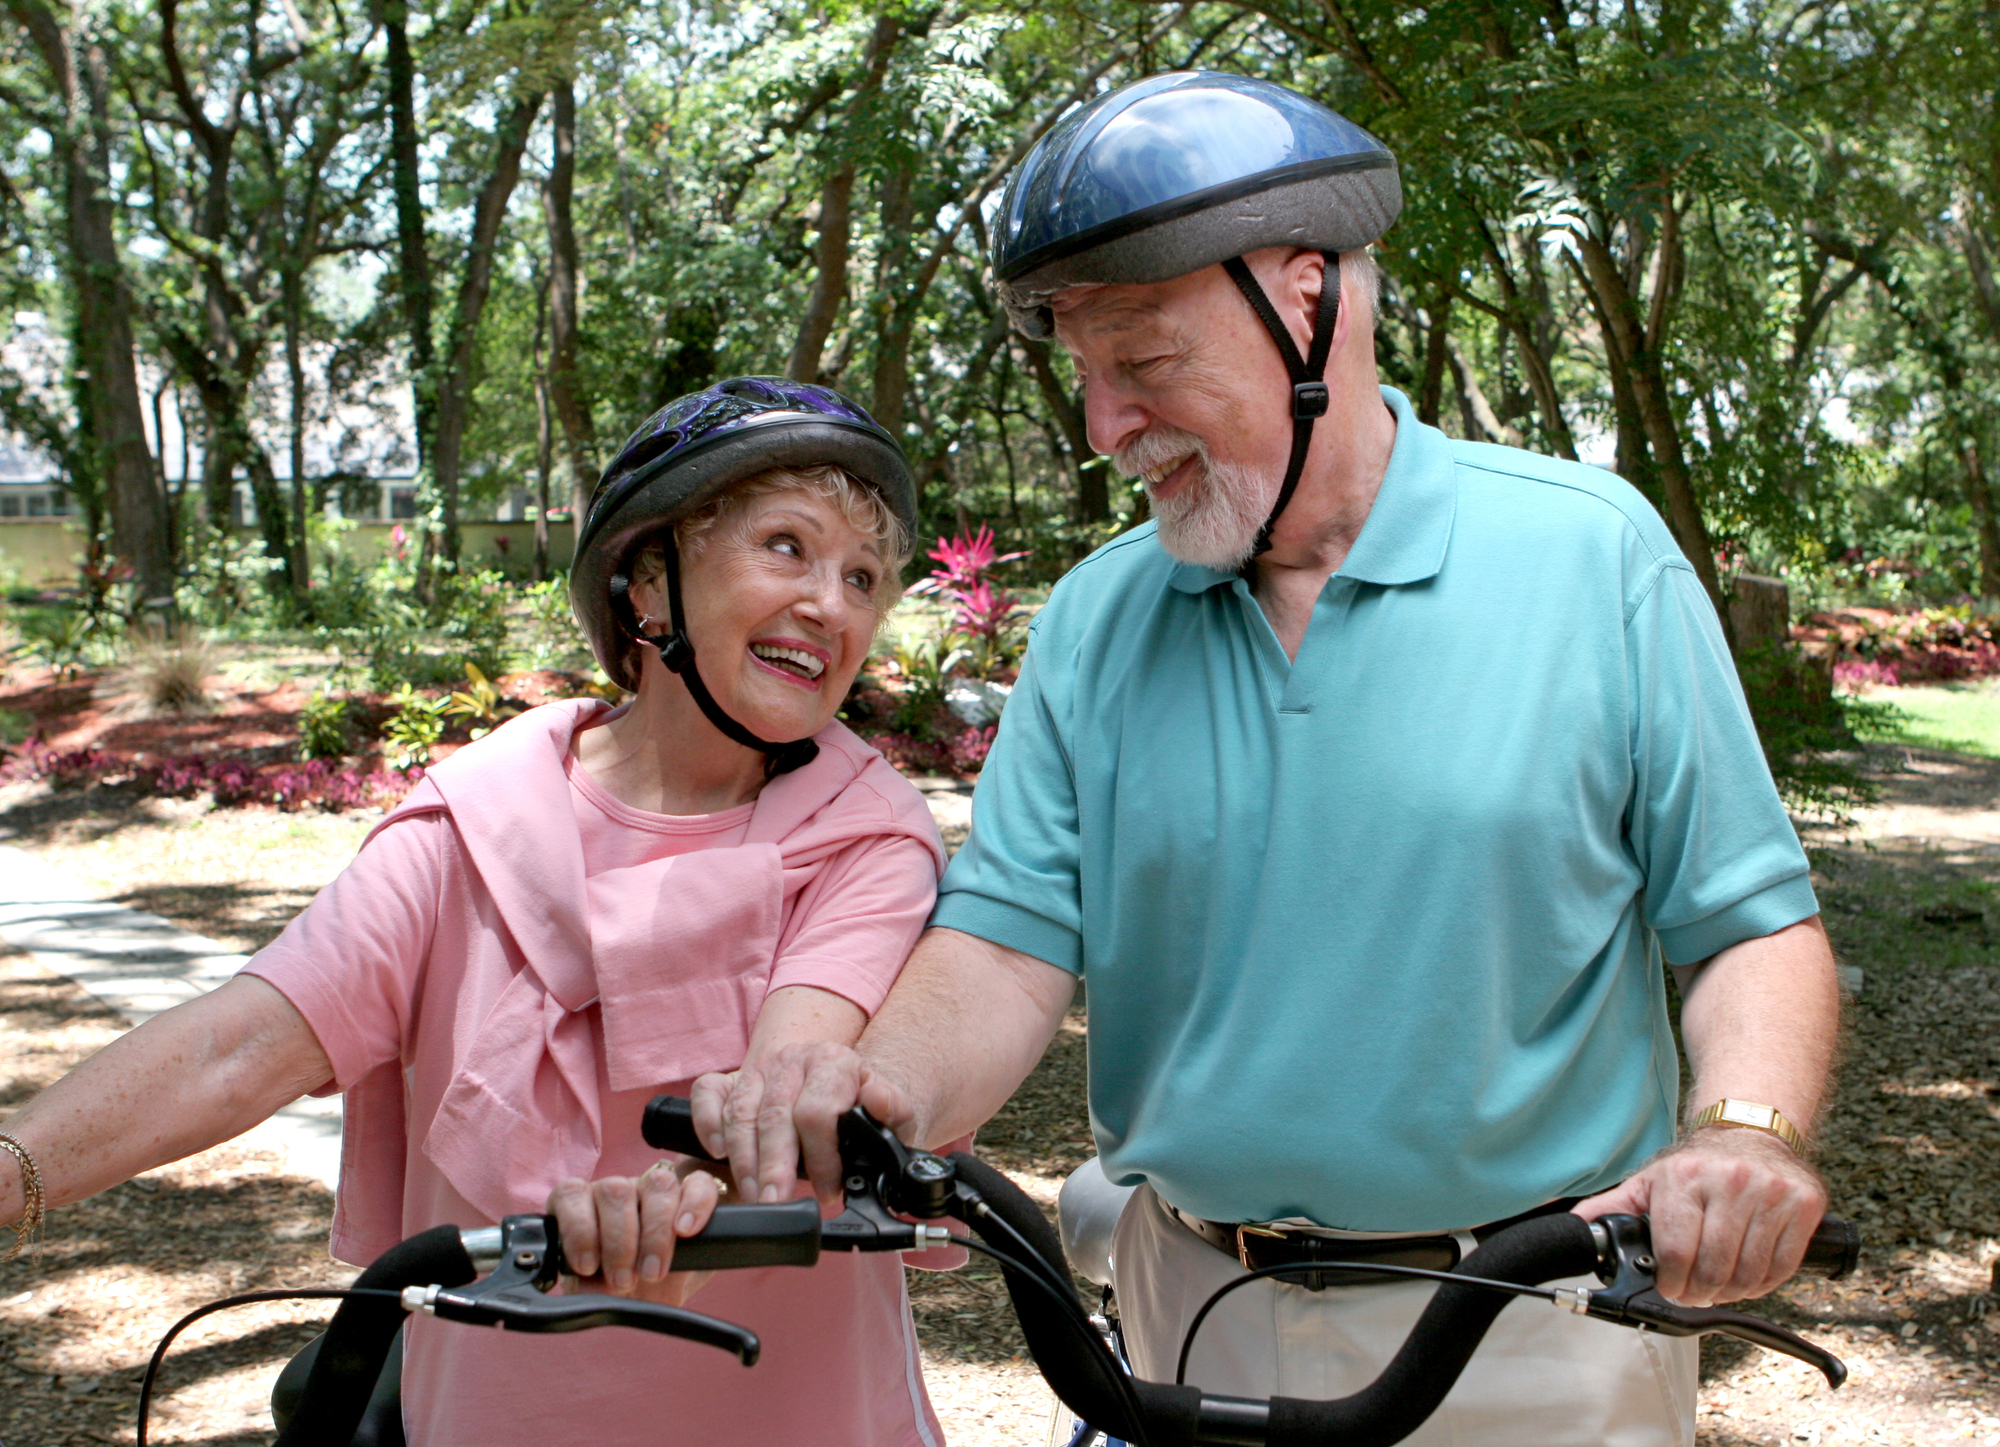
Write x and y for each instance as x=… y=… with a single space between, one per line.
x=1368 y=790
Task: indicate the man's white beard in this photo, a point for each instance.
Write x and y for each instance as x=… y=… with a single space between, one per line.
x=1215 y=518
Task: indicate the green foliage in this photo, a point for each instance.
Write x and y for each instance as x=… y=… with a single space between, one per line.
x=56 y=637
x=471 y=616
x=479 y=703
x=1808 y=732
x=414 y=729
x=550 y=638
x=15 y=727
x=325 y=729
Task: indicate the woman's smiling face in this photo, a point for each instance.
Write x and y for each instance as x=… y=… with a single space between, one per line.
x=781 y=598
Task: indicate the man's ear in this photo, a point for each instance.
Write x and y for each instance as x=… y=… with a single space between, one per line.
x=1301 y=278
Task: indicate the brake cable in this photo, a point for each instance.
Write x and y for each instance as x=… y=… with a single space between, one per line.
x=316 y=1293
x=1285 y=1268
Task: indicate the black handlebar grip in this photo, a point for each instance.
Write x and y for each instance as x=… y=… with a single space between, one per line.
x=668 y=1125
x=783 y=1235
x=1835 y=1249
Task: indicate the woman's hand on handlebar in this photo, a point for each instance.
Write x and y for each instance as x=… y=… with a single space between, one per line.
x=766 y=1118
x=623 y=1228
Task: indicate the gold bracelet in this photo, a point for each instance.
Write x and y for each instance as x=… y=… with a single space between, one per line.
x=33 y=1204
x=1748 y=1115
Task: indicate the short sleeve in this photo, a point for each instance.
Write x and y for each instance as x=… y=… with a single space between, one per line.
x=1721 y=859
x=859 y=919
x=1017 y=880
x=352 y=961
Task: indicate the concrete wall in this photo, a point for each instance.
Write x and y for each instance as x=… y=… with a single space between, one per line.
x=47 y=553
x=40 y=554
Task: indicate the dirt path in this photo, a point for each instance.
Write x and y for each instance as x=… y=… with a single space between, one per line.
x=1912 y=1149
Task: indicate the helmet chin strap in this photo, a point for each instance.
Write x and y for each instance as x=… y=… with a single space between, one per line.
x=1308 y=373
x=677 y=652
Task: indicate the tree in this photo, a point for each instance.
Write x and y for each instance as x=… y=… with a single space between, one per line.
x=110 y=417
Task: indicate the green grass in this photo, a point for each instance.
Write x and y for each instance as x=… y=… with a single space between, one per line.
x=1961 y=718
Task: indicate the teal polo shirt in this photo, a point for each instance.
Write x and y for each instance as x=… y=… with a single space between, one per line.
x=1374 y=937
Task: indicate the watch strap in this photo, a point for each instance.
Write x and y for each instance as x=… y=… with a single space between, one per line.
x=1749 y=1115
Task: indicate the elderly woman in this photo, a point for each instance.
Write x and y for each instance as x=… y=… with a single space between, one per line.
x=591 y=906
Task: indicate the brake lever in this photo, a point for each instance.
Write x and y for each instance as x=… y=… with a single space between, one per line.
x=1631 y=1298
x=514 y=1296
x=884 y=1177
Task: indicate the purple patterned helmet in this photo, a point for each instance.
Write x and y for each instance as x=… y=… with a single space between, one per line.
x=687 y=454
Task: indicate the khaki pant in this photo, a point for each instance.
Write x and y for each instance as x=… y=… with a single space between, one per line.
x=1542 y=1377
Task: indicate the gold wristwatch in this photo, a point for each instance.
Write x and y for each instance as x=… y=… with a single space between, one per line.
x=1748 y=1115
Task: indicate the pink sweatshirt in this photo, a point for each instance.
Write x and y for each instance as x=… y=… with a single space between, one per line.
x=512 y=966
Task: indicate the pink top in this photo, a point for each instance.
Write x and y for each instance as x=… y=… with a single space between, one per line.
x=512 y=966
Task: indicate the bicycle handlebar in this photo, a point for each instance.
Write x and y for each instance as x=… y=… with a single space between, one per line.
x=887 y=1182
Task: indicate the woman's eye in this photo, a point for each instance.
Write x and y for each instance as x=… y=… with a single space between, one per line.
x=785 y=543
x=864 y=580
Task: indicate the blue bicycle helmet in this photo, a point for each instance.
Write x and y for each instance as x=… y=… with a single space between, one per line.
x=684 y=456
x=1173 y=173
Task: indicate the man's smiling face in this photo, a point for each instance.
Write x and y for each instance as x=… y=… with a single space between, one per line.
x=1184 y=390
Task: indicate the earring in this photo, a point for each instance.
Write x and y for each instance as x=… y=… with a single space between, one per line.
x=646 y=620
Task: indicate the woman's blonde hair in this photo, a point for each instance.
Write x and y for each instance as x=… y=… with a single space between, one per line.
x=855 y=500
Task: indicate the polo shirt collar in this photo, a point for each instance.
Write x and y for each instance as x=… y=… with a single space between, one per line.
x=1409 y=526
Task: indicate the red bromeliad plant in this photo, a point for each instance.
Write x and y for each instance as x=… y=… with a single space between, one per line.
x=979 y=610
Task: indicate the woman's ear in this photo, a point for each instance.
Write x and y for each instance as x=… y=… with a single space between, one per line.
x=649 y=607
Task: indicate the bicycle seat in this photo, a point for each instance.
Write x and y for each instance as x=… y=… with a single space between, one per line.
x=1088 y=1208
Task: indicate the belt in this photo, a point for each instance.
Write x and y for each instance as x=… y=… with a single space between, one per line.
x=1258 y=1246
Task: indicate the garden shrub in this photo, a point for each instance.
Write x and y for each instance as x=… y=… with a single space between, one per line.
x=1806 y=728
x=169 y=666
x=231 y=782
x=414 y=729
x=55 y=637
x=551 y=635
x=324 y=728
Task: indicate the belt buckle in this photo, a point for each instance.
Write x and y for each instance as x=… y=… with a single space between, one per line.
x=1243 y=1252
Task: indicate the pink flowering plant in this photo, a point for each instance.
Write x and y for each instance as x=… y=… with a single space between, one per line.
x=987 y=623
x=931 y=705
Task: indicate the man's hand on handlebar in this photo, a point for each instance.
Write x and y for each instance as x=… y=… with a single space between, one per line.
x=766 y=1118
x=623 y=1228
x=1731 y=1213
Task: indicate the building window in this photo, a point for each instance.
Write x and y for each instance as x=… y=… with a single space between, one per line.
x=10 y=506
x=38 y=505
x=58 y=504
x=402 y=503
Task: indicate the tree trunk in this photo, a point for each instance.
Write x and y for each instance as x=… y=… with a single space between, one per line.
x=1980 y=495
x=564 y=388
x=1430 y=398
x=1480 y=420
x=1632 y=353
x=454 y=394
x=829 y=288
x=81 y=72
x=891 y=372
x=1093 y=489
x=413 y=263
x=544 y=436
x=294 y=286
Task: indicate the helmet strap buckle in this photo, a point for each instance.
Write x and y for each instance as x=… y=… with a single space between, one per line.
x=1310 y=396
x=675 y=650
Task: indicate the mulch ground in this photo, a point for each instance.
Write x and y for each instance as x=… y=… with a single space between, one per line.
x=1912 y=1149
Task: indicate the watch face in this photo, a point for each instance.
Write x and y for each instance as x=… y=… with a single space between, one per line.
x=1742 y=1112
